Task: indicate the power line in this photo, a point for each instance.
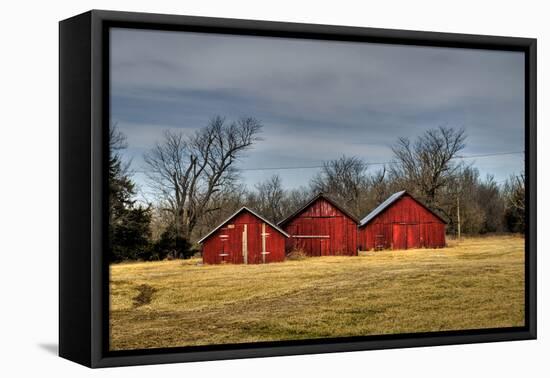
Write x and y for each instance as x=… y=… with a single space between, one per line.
x=379 y=163
x=486 y=155
x=366 y=163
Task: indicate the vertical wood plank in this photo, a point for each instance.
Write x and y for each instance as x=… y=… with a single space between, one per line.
x=245 y=243
x=263 y=243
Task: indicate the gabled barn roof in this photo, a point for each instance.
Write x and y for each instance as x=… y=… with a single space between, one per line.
x=387 y=203
x=244 y=208
x=310 y=202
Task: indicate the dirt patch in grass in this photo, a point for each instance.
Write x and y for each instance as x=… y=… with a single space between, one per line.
x=145 y=295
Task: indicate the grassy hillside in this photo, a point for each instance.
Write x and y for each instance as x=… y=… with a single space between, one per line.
x=476 y=284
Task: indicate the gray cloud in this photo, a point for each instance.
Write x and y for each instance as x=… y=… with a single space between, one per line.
x=317 y=99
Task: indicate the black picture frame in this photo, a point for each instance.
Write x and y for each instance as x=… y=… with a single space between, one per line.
x=83 y=123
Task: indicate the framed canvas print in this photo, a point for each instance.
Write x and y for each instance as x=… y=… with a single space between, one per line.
x=234 y=188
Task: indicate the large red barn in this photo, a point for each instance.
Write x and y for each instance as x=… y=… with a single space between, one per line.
x=321 y=228
x=244 y=238
x=401 y=222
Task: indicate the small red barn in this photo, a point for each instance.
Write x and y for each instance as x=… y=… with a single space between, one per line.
x=320 y=228
x=244 y=238
x=401 y=222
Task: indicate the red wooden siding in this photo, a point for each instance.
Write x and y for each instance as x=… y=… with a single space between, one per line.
x=226 y=244
x=404 y=224
x=321 y=229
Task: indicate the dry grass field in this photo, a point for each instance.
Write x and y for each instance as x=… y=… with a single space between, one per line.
x=478 y=283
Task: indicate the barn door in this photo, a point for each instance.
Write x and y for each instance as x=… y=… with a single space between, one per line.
x=325 y=242
x=413 y=236
x=399 y=236
x=405 y=236
x=230 y=244
x=324 y=247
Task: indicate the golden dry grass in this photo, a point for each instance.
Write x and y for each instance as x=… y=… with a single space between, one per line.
x=478 y=283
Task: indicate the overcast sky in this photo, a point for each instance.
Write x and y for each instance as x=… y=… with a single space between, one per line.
x=316 y=99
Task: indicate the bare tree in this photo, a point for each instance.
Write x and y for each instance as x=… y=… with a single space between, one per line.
x=269 y=198
x=117 y=140
x=514 y=192
x=460 y=201
x=516 y=187
x=294 y=199
x=227 y=201
x=490 y=198
x=426 y=166
x=187 y=172
x=379 y=185
x=345 y=179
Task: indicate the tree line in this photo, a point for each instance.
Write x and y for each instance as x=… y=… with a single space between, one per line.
x=196 y=185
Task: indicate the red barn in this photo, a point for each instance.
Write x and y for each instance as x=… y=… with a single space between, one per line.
x=244 y=238
x=401 y=222
x=321 y=227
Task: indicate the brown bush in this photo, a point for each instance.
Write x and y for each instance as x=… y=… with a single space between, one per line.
x=296 y=254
